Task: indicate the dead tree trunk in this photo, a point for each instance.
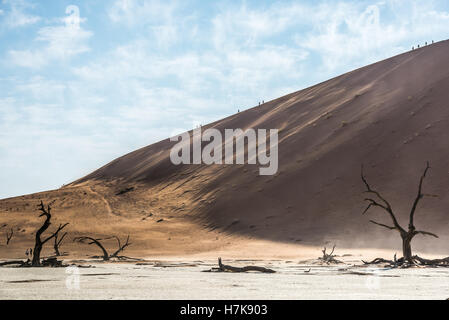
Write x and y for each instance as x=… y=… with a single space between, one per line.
x=9 y=236
x=407 y=247
x=93 y=241
x=411 y=232
x=58 y=243
x=39 y=243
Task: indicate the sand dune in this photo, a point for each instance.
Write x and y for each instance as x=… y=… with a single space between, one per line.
x=392 y=116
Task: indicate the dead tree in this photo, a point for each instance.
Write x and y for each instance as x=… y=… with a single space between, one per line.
x=39 y=243
x=329 y=258
x=57 y=244
x=106 y=256
x=9 y=236
x=377 y=200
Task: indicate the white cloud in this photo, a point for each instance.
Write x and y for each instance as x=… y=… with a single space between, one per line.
x=350 y=34
x=16 y=16
x=59 y=43
x=247 y=26
x=28 y=58
x=165 y=22
x=137 y=12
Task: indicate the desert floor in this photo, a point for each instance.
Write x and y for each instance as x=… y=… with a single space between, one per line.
x=172 y=279
x=391 y=116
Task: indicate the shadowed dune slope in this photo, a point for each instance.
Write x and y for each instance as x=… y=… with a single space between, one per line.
x=392 y=116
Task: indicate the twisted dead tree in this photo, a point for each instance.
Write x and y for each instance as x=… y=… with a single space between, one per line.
x=106 y=256
x=377 y=200
x=58 y=242
x=9 y=236
x=39 y=243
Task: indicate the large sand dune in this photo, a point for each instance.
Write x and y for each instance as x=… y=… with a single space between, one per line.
x=392 y=116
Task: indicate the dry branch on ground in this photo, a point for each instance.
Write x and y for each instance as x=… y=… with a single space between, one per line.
x=226 y=268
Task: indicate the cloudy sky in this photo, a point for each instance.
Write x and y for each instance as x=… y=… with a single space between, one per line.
x=82 y=83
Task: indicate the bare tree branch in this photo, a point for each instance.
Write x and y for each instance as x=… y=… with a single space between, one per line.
x=58 y=242
x=333 y=249
x=9 y=236
x=426 y=233
x=56 y=232
x=382 y=225
x=419 y=196
x=373 y=203
x=120 y=247
x=370 y=190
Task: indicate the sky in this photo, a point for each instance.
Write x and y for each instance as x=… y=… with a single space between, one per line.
x=84 y=82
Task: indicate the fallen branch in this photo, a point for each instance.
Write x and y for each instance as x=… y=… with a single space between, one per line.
x=379 y=261
x=18 y=262
x=225 y=268
x=416 y=261
x=432 y=262
x=52 y=262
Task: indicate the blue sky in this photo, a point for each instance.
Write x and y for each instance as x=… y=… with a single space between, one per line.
x=83 y=82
